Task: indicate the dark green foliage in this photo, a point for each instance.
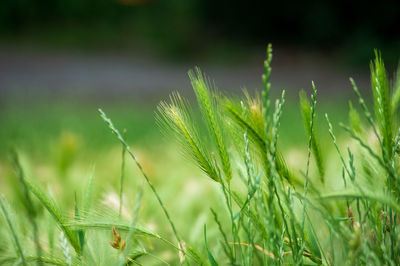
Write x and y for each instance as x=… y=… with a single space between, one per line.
x=267 y=215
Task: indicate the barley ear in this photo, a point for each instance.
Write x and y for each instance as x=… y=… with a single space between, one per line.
x=265 y=79
x=176 y=117
x=203 y=90
x=382 y=101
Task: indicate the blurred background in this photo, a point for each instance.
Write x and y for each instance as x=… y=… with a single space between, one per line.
x=60 y=60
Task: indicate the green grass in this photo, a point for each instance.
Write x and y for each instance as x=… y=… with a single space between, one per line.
x=287 y=184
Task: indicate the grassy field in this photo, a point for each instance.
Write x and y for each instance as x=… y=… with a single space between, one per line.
x=245 y=181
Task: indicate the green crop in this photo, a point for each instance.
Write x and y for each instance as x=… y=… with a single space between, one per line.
x=340 y=208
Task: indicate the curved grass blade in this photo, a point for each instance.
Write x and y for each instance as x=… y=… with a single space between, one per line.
x=28 y=202
x=210 y=257
x=128 y=149
x=7 y=215
x=80 y=233
x=372 y=197
x=88 y=194
x=52 y=208
x=32 y=259
x=306 y=110
x=82 y=225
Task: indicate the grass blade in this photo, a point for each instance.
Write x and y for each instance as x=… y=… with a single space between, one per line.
x=122 y=140
x=8 y=216
x=28 y=202
x=210 y=257
x=315 y=147
x=53 y=209
x=93 y=225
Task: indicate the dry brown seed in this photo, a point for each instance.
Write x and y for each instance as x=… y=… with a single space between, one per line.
x=350 y=215
x=114 y=245
x=123 y=244
x=382 y=213
x=117 y=244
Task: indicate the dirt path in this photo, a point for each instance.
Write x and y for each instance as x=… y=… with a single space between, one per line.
x=112 y=75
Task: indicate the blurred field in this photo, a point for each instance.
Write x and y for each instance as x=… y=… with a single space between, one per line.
x=60 y=142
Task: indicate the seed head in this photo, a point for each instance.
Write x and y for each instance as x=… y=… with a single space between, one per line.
x=117 y=243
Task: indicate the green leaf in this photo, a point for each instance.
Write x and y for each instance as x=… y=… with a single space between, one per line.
x=53 y=209
x=209 y=255
x=80 y=233
x=11 y=223
x=314 y=243
x=354 y=118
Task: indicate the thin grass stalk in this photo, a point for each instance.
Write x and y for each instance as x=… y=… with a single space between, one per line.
x=366 y=111
x=121 y=189
x=225 y=242
x=210 y=257
x=249 y=170
x=88 y=194
x=334 y=140
x=309 y=149
x=80 y=233
x=33 y=258
x=349 y=169
x=228 y=200
x=273 y=171
x=7 y=216
x=101 y=225
x=381 y=161
x=53 y=210
x=65 y=249
x=131 y=231
x=291 y=235
x=28 y=201
x=317 y=239
x=158 y=258
x=132 y=155
x=315 y=148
